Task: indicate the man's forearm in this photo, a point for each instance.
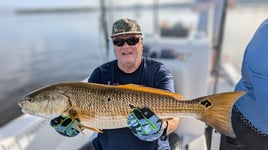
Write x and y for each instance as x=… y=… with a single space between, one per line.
x=171 y=125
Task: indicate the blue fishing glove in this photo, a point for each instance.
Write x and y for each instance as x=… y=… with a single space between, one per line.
x=144 y=124
x=64 y=126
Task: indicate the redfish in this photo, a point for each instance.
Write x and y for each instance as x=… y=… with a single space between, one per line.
x=100 y=106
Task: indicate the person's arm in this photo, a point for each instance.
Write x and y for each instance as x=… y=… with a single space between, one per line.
x=255 y=63
x=95 y=76
x=170 y=125
x=164 y=79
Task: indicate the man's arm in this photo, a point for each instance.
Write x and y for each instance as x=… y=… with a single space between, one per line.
x=170 y=125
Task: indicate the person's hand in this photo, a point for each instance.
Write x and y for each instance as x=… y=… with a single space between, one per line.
x=64 y=126
x=144 y=124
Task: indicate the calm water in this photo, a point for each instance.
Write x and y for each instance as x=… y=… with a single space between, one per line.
x=36 y=50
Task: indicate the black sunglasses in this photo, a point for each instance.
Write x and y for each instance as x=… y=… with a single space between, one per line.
x=130 y=41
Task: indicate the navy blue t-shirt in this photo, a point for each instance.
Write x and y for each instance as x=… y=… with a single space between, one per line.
x=151 y=74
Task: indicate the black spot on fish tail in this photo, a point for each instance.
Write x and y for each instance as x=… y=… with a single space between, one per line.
x=109 y=99
x=206 y=103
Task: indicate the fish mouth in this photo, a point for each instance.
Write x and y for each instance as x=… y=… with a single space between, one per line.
x=23 y=109
x=27 y=111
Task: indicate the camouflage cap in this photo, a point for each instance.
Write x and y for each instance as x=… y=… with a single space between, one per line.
x=125 y=26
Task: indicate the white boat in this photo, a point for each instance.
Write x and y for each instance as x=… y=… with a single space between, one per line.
x=188 y=56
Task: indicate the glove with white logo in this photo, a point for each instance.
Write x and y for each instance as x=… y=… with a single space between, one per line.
x=64 y=126
x=144 y=124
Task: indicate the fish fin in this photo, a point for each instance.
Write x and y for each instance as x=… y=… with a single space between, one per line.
x=93 y=129
x=140 y=88
x=80 y=127
x=218 y=111
x=74 y=117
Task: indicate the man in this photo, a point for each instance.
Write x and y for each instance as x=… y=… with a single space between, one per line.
x=250 y=114
x=131 y=67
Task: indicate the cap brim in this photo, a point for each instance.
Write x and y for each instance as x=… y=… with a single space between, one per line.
x=125 y=33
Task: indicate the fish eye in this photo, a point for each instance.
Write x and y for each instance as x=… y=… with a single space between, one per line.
x=30 y=99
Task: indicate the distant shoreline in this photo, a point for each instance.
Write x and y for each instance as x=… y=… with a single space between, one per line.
x=54 y=10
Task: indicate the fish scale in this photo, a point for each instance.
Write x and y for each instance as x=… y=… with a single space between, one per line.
x=101 y=106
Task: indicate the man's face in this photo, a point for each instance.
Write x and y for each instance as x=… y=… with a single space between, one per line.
x=128 y=49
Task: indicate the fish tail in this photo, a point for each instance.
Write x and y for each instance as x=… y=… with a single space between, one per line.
x=219 y=111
